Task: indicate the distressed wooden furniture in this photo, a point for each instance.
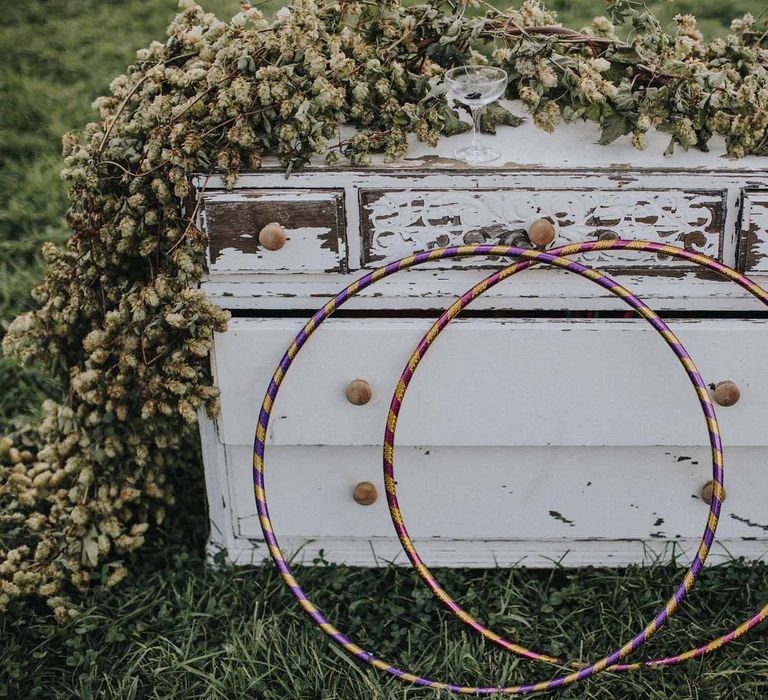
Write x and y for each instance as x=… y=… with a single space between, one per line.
x=485 y=481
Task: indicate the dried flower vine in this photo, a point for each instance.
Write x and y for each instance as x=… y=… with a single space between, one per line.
x=120 y=317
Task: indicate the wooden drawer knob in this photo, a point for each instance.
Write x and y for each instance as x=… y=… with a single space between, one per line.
x=359 y=392
x=727 y=393
x=707 y=491
x=365 y=493
x=541 y=232
x=272 y=236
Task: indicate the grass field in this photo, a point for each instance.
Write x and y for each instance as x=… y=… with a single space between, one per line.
x=177 y=629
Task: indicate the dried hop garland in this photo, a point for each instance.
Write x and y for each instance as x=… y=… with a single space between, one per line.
x=121 y=319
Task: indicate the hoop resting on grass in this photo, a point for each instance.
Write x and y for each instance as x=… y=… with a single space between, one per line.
x=553 y=258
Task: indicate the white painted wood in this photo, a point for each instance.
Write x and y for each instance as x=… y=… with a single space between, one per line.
x=532 y=554
x=533 y=290
x=312 y=244
x=217 y=487
x=544 y=189
x=754 y=226
x=572 y=145
x=494 y=382
x=406 y=221
x=508 y=420
x=553 y=178
x=601 y=499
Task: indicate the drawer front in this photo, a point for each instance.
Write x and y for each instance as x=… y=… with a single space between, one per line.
x=505 y=494
x=313 y=221
x=396 y=223
x=490 y=382
x=754 y=233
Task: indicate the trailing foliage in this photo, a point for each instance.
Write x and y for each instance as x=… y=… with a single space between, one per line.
x=121 y=320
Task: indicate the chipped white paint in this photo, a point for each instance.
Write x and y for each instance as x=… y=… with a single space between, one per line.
x=496 y=423
x=577 y=493
x=402 y=222
x=534 y=290
x=299 y=246
x=551 y=437
x=755 y=232
x=572 y=145
x=673 y=208
x=283 y=196
x=315 y=237
x=483 y=382
x=217 y=486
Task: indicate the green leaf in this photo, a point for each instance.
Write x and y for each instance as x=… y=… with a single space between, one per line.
x=626 y=55
x=437 y=90
x=614 y=127
x=303 y=109
x=494 y=114
x=625 y=98
x=593 y=112
x=452 y=124
x=570 y=114
x=90 y=548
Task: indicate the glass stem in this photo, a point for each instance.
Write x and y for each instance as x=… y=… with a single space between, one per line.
x=475 y=128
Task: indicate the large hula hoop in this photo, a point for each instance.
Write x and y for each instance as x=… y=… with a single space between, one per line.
x=354 y=288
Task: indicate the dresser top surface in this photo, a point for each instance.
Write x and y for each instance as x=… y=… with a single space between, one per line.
x=571 y=147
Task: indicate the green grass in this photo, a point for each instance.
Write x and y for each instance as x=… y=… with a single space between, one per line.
x=177 y=629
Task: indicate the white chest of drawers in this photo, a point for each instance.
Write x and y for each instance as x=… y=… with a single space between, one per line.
x=600 y=457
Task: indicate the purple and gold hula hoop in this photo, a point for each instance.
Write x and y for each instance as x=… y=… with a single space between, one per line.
x=389 y=439
x=328 y=309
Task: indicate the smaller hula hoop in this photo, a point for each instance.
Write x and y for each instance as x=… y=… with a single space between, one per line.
x=391 y=484
x=328 y=309
x=398 y=398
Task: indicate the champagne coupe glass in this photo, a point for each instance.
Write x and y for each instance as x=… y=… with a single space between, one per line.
x=476 y=86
